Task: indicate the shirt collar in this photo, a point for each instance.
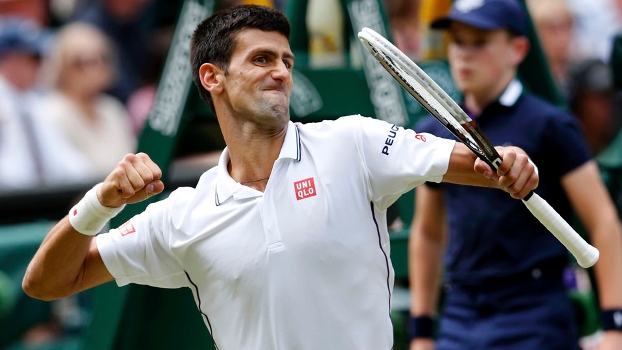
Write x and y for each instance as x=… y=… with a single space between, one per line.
x=226 y=186
x=511 y=94
x=291 y=144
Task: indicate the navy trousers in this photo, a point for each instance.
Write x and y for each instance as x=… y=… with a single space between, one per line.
x=531 y=315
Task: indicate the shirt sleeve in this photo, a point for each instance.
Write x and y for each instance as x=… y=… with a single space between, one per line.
x=398 y=159
x=563 y=144
x=138 y=251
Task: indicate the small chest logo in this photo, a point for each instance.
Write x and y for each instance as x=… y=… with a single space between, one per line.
x=304 y=188
x=127 y=228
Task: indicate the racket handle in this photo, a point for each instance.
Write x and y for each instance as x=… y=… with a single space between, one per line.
x=585 y=254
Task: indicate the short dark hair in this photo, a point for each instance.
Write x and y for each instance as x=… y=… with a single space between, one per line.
x=213 y=41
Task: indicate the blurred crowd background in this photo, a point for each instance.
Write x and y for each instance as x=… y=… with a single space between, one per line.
x=78 y=79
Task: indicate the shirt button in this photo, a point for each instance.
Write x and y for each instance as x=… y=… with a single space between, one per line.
x=536 y=273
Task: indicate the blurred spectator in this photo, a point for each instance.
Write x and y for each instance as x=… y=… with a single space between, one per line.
x=571 y=31
x=405 y=25
x=597 y=22
x=555 y=26
x=595 y=102
x=79 y=69
x=129 y=23
x=32 y=152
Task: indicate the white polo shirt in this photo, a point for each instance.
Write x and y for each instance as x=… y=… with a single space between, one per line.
x=304 y=265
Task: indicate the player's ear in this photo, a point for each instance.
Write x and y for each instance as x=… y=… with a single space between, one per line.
x=520 y=46
x=211 y=77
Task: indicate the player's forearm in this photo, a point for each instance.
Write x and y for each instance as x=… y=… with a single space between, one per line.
x=425 y=271
x=461 y=168
x=57 y=266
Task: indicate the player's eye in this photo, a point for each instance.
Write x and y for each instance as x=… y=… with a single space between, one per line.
x=261 y=59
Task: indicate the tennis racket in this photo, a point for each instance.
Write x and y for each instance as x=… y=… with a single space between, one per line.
x=436 y=101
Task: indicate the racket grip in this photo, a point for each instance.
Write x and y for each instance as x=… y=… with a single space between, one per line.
x=585 y=254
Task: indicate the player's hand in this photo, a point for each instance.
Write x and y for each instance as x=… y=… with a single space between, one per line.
x=516 y=175
x=135 y=178
x=422 y=344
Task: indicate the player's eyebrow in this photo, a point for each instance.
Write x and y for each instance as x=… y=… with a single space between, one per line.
x=286 y=55
x=289 y=55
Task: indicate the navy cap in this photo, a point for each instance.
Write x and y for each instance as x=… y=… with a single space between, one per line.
x=18 y=34
x=485 y=14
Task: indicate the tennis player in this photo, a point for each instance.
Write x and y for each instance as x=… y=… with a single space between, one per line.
x=284 y=243
x=503 y=271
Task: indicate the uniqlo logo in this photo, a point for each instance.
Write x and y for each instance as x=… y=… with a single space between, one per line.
x=304 y=188
x=127 y=228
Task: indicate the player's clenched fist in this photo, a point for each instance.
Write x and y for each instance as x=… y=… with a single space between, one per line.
x=516 y=175
x=135 y=178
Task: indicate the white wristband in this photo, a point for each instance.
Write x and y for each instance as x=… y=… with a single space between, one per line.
x=89 y=216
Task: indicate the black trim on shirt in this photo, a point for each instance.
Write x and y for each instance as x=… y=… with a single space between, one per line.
x=298 y=143
x=386 y=257
x=209 y=325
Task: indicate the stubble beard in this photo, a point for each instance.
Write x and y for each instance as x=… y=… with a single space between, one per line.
x=272 y=112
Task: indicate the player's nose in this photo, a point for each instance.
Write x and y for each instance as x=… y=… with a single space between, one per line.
x=281 y=72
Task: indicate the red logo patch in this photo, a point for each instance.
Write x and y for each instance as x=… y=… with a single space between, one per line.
x=127 y=228
x=304 y=188
x=420 y=137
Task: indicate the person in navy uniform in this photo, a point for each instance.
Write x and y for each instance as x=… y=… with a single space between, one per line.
x=502 y=271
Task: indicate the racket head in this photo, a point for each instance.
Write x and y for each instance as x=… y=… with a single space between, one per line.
x=432 y=97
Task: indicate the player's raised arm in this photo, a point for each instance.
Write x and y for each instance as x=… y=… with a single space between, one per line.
x=68 y=260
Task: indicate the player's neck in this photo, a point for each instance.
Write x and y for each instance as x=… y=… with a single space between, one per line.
x=252 y=154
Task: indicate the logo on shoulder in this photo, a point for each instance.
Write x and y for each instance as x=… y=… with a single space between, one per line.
x=127 y=228
x=305 y=188
x=420 y=137
x=389 y=140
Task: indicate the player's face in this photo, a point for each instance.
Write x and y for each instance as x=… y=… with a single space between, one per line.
x=259 y=79
x=480 y=60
